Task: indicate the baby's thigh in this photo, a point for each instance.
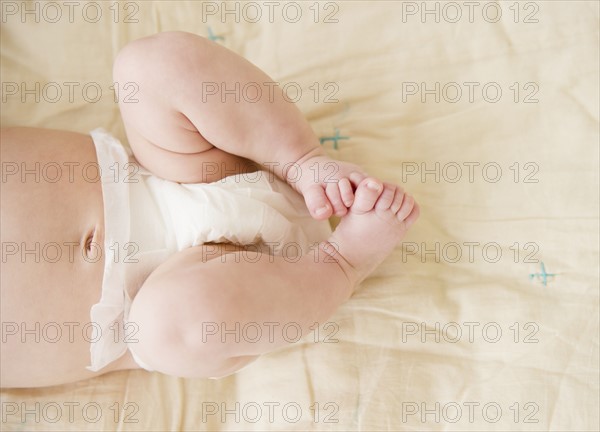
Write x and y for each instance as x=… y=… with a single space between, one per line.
x=174 y=309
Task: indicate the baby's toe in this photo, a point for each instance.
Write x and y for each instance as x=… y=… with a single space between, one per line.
x=406 y=208
x=356 y=177
x=346 y=192
x=335 y=199
x=387 y=197
x=413 y=216
x=317 y=202
x=398 y=200
x=366 y=195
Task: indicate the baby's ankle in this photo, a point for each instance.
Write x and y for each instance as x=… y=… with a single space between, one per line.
x=331 y=250
x=315 y=152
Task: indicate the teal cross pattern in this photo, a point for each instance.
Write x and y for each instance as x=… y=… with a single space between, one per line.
x=212 y=36
x=335 y=138
x=543 y=276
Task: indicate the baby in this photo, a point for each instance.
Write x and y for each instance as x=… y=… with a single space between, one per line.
x=185 y=143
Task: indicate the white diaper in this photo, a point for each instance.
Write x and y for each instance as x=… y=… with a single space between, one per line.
x=147 y=219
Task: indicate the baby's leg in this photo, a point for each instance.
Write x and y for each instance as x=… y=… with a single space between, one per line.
x=197 y=104
x=190 y=310
x=184 y=108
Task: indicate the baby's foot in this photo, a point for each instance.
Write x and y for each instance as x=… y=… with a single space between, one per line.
x=327 y=185
x=375 y=224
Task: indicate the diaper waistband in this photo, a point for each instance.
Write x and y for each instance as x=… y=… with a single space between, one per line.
x=107 y=316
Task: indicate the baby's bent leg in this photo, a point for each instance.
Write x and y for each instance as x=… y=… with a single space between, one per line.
x=199 y=318
x=177 y=110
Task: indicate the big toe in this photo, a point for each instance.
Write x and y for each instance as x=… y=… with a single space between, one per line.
x=366 y=195
x=317 y=202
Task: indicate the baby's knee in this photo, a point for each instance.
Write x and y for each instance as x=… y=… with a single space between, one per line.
x=151 y=57
x=174 y=332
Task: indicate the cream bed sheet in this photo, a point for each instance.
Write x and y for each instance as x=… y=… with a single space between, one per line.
x=517 y=176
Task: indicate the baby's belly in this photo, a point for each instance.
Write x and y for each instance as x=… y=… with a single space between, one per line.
x=52 y=259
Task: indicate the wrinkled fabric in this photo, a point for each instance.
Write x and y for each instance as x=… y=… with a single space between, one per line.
x=383 y=365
